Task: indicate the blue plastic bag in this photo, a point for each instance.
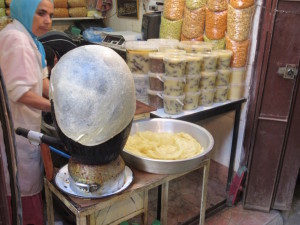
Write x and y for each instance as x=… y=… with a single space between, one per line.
x=95 y=34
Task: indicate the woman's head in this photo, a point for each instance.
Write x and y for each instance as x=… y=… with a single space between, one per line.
x=35 y=15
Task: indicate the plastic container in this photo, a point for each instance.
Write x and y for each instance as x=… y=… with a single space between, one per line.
x=224 y=58
x=221 y=94
x=209 y=61
x=156 y=62
x=173 y=104
x=175 y=65
x=207 y=97
x=137 y=54
x=193 y=64
x=223 y=77
x=141 y=83
x=155 y=99
x=216 y=44
x=173 y=86
x=156 y=81
x=207 y=80
x=237 y=75
x=191 y=100
x=169 y=50
x=192 y=83
x=195 y=46
x=235 y=91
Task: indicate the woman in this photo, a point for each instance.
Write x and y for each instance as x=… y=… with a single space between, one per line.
x=23 y=65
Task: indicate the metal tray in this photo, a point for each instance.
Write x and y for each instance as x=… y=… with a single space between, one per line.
x=169 y=166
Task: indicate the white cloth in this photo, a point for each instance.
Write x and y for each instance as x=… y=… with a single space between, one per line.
x=20 y=62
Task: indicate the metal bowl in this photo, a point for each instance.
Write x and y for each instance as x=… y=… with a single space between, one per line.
x=169 y=166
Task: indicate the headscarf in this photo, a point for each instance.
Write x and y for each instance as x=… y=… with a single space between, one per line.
x=23 y=11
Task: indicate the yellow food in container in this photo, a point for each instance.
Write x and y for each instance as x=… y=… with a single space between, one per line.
x=206 y=97
x=216 y=44
x=236 y=91
x=192 y=83
x=239 y=50
x=141 y=84
x=193 y=22
x=210 y=60
x=237 y=75
x=156 y=62
x=215 y=24
x=195 y=46
x=175 y=65
x=241 y=4
x=173 y=86
x=223 y=77
x=191 y=100
x=173 y=104
x=217 y=5
x=193 y=64
x=137 y=54
x=155 y=99
x=221 y=94
x=239 y=23
x=224 y=58
x=170 y=29
x=207 y=80
x=173 y=9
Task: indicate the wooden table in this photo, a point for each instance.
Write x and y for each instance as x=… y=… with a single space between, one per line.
x=89 y=211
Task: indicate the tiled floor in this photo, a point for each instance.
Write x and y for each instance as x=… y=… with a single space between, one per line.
x=184 y=204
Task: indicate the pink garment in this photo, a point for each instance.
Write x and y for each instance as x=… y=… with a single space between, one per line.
x=32 y=208
x=20 y=62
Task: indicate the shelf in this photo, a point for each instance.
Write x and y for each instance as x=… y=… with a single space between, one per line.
x=76 y=18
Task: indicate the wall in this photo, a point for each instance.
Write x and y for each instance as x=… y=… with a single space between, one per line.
x=222 y=134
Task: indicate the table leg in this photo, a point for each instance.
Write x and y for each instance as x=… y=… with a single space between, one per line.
x=204 y=192
x=81 y=220
x=91 y=219
x=145 y=214
x=164 y=203
x=49 y=204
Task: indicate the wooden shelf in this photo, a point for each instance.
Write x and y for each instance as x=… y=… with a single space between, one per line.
x=76 y=18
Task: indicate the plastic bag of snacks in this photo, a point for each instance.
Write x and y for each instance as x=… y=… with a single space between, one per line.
x=217 y=5
x=193 y=22
x=239 y=23
x=60 y=3
x=173 y=9
x=183 y=38
x=60 y=12
x=217 y=44
x=215 y=24
x=170 y=29
x=78 y=12
x=2 y=4
x=241 y=4
x=77 y=3
x=2 y=12
x=195 y=4
x=239 y=50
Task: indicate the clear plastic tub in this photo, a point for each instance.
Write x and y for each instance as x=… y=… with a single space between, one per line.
x=192 y=83
x=237 y=75
x=173 y=86
x=173 y=104
x=195 y=46
x=175 y=65
x=137 y=54
x=224 y=58
x=209 y=61
x=223 y=76
x=207 y=97
x=191 y=100
x=141 y=83
x=235 y=91
x=155 y=99
x=156 y=81
x=156 y=62
x=193 y=64
x=207 y=80
x=221 y=94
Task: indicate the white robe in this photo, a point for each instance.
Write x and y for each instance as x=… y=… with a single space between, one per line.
x=20 y=62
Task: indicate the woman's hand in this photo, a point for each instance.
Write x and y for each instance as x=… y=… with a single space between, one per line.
x=32 y=99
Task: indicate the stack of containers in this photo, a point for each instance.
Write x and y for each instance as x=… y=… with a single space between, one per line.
x=137 y=54
x=60 y=9
x=174 y=81
x=216 y=23
x=192 y=77
x=208 y=78
x=239 y=21
x=193 y=20
x=157 y=69
x=171 y=20
x=223 y=74
x=77 y=8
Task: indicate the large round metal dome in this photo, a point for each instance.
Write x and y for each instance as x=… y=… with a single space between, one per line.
x=93 y=95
